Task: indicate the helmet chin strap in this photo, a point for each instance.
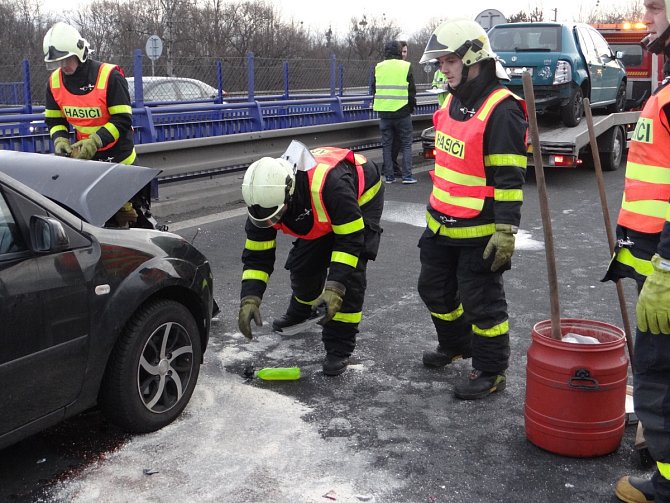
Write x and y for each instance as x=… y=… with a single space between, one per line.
x=464 y=74
x=657 y=46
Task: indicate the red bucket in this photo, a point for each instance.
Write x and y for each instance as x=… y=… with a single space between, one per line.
x=576 y=393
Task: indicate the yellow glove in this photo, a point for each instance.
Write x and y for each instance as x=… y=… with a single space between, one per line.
x=653 y=304
x=502 y=242
x=331 y=299
x=249 y=308
x=62 y=146
x=86 y=149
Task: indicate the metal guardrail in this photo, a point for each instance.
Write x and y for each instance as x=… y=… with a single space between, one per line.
x=223 y=154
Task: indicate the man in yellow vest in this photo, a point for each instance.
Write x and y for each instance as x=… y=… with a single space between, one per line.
x=331 y=200
x=394 y=100
x=440 y=83
x=93 y=98
x=474 y=208
x=643 y=253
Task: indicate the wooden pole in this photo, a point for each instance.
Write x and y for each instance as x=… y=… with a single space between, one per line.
x=608 y=224
x=544 y=207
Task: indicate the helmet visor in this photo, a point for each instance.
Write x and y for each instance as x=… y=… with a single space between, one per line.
x=266 y=217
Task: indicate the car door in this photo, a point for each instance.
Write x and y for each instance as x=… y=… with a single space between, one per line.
x=44 y=320
x=594 y=63
x=612 y=73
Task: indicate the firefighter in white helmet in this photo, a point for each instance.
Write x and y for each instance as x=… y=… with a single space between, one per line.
x=643 y=232
x=474 y=208
x=93 y=98
x=331 y=200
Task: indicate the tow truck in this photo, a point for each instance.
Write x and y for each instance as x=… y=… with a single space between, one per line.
x=569 y=147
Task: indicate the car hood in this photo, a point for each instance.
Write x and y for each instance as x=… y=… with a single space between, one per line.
x=93 y=190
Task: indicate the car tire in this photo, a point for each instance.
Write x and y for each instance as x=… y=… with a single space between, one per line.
x=620 y=104
x=139 y=391
x=613 y=158
x=573 y=110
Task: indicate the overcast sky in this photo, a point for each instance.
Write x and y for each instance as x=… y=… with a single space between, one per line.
x=409 y=16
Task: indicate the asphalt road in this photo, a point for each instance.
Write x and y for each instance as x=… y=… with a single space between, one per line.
x=388 y=430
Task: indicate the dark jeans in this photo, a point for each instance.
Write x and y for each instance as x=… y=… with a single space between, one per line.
x=400 y=130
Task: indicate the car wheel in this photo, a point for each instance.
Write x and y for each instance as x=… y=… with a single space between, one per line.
x=620 y=103
x=611 y=160
x=571 y=113
x=153 y=368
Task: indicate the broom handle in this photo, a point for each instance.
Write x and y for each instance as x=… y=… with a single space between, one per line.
x=544 y=207
x=608 y=224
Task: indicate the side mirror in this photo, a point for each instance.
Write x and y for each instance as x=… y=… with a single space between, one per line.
x=47 y=235
x=619 y=54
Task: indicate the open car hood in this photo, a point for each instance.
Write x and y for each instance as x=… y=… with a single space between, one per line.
x=94 y=190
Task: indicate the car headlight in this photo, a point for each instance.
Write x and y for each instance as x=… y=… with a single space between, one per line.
x=563 y=73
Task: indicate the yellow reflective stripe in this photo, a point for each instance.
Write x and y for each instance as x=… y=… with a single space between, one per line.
x=474 y=203
x=640 y=266
x=519 y=161
x=664 y=469
x=500 y=329
x=475 y=231
x=317 y=181
x=305 y=302
x=650 y=207
x=60 y=127
x=349 y=228
x=120 y=109
x=508 y=194
x=348 y=317
x=130 y=159
x=647 y=173
x=260 y=245
x=52 y=114
x=667 y=214
x=454 y=315
x=460 y=178
x=255 y=274
x=491 y=102
x=344 y=258
x=113 y=130
x=55 y=80
x=367 y=196
x=105 y=70
x=89 y=130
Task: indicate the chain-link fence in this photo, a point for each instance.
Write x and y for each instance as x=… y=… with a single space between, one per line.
x=240 y=76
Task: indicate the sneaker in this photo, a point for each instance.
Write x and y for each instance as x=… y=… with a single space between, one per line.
x=479 y=385
x=335 y=365
x=635 y=490
x=441 y=357
x=389 y=179
x=408 y=179
x=291 y=325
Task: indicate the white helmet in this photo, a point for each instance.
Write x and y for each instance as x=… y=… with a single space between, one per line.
x=465 y=38
x=267 y=187
x=61 y=42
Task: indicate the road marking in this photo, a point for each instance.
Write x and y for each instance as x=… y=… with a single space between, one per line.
x=207 y=219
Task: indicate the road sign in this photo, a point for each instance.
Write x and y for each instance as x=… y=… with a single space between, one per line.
x=489 y=18
x=154 y=47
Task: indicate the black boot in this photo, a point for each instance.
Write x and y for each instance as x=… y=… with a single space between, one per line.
x=291 y=324
x=441 y=357
x=480 y=385
x=635 y=490
x=335 y=365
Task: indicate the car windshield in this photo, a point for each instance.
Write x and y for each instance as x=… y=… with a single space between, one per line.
x=526 y=38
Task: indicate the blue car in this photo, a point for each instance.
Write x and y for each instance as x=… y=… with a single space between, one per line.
x=567 y=61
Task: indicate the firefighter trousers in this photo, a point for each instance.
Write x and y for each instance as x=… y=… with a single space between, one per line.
x=466 y=301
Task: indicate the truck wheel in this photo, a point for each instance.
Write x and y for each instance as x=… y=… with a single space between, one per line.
x=620 y=104
x=571 y=113
x=153 y=368
x=611 y=160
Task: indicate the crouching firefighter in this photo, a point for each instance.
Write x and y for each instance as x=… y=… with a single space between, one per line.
x=331 y=200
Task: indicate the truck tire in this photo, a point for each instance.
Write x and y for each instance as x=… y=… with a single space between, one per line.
x=612 y=158
x=572 y=111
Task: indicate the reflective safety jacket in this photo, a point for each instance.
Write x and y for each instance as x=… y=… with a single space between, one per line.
x=391 y=85
x=644 y=207
x=459 y=181
x=329 y=200
x=86 y=112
